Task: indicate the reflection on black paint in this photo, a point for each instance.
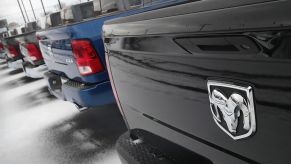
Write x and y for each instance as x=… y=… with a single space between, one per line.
x=171 y=86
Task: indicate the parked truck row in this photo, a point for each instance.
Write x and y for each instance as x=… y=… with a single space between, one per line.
x=195 y=81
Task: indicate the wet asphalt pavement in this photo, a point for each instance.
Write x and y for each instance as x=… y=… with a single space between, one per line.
x=36 y=128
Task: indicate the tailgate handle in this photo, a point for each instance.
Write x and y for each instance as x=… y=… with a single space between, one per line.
x=226 y=47
x=219 y=45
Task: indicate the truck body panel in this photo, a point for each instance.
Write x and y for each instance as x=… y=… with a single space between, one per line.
x=162 y=61
x=58 y=54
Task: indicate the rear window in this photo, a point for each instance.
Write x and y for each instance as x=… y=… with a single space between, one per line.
x=31 y=26
x=107 y=6
x=50 y=20
x=70 y=14
x=77 y=13
x=97 y=7
x=149 y=2
x=41 y=22
x=133 y=3
x=87 y=10
x=55 y=19
x=67 y=16
x=13 y=32
x=23 y=30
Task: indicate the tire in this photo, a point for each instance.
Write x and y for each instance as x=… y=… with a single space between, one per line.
x=137 y=151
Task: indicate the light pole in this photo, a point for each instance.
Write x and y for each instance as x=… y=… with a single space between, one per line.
x=43 y=7
x=60 y=4
x=21 y=11
x=32 y=10
x=25 y=11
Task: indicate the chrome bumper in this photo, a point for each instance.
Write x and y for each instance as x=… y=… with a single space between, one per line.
x=2 y=55
x=35 y=72
x=15 y=64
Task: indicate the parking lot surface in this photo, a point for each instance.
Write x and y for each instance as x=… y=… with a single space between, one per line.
x=37 y=128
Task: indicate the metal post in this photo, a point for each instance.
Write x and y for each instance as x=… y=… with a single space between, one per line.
x=43 y=7
x=32 y=9
x=25 y=11
x=60 y=4
x=21 y=11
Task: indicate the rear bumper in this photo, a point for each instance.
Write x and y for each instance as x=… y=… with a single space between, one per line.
x=79 y=93
x=34 y=71
x=95 y=95
x=15 y=64
x=139 y=146
x=2 y=55
x=172 y=141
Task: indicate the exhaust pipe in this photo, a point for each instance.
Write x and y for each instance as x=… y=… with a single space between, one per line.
x=79 y=107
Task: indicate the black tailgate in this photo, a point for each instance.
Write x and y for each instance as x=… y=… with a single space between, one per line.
x=161 y=68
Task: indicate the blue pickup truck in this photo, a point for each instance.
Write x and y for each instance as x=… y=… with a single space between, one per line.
x=74 y=51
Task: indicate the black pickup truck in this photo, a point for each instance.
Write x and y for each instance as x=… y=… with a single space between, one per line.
x=204 y=82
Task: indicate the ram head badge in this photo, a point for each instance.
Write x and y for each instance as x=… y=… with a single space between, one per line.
x=232 y=112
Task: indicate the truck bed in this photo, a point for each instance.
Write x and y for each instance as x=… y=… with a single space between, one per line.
x=164 y=65
x=56 y=42
x=57 y=51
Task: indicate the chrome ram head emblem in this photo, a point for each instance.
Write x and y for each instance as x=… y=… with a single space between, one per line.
x=232 y=108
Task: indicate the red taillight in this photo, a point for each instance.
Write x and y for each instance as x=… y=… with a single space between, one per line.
x=13 y=51
x=1 y=47
x=88 y=61
x=33 y=52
